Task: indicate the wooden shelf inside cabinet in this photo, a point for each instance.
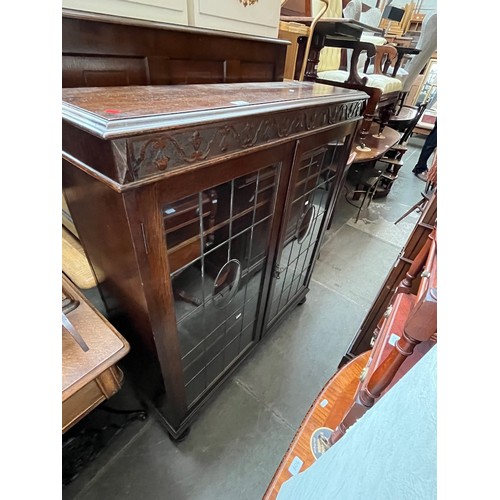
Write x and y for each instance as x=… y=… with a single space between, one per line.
x=202 y=208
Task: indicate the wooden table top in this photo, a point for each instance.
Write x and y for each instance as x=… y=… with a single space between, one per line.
x=378 y=146
x=327 y=411
x=106 y=345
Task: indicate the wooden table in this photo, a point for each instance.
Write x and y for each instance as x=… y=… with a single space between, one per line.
x=327 y=411
x=88 y=378
x=378 y=146
x=341 y=394
x=363 y=160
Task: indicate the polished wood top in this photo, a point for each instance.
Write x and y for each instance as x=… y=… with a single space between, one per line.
x=162 y=106
x=327 y=411
x=377 y=145
x=106 y=345
x=168 y=127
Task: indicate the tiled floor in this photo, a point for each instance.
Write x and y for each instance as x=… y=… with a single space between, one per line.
x=239 y=438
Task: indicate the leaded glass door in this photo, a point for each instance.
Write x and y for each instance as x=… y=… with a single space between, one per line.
x=317 y=171
x=217 y=245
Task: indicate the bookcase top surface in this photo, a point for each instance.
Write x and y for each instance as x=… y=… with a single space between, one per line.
x=115 y=111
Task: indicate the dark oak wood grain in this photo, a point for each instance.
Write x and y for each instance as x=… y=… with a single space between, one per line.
x=112 y=105
x=104 y=50
x=119 y=211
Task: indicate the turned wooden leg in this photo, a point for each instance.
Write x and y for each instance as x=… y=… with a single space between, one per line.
x=416 y=266
x=385 y=115
x=378 y=382
x=420 y=326
x=350 y=418
x=311 y=69
x=365 y=129
x=368 y=116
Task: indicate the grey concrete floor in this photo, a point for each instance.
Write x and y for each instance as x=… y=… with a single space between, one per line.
x=239 y=438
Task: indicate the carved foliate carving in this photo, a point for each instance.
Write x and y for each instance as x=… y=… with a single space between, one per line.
x=159 y=152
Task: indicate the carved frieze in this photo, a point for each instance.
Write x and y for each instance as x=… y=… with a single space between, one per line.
x=159 y=152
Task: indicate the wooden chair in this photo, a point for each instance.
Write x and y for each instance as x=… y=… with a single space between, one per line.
x=383 y=89
x=367 y=181
x=295 y=33
x=406 y=119
x=429 y=191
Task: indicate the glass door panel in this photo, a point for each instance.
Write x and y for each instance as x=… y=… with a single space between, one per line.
x=314 y=183
x=216 y=243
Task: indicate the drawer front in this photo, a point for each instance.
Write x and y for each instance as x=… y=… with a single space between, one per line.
x=80 y=404
x=89 y=396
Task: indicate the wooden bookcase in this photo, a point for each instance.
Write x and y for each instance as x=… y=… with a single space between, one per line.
x=201 y=209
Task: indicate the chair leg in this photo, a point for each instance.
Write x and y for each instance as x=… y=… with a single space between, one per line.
x=369 y=193
x=420 y=204
x=384 y=116
x=429 y=186
x=374 y=190
x=365 y=194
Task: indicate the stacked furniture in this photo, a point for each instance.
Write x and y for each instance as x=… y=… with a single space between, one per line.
x=419 y=237
x=366 y=64
x=407 y=332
